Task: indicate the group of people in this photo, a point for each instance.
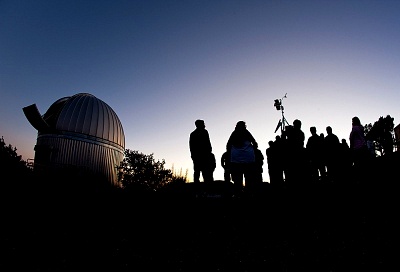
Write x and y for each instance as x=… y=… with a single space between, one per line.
x=290 y=158
x=242 y=161
x=293 y=160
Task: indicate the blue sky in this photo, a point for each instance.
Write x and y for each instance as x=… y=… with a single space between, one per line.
x=163 y=64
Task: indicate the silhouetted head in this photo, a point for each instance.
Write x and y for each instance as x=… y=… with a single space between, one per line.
x=297 y=123
x=328 y=130
x=241 y=125
x=313 y=130
x=199 y=123
x=356 y=121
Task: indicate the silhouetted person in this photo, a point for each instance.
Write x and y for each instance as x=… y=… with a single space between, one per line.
x=296 y=167
x=344 y=144
x=201 y=152
x=345 y=162
x=314 y=149
x=358 y=143
x=241 y=145
x=298 y=134
x=331 y=151
x=225 y=163
x=274 y=163
x=256 y=178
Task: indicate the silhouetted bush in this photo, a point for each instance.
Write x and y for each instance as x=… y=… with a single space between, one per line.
x=143 y=173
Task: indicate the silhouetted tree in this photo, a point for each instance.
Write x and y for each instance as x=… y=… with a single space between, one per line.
x=10 y=160
x=142 y=172
x=12 y=166
x=381 y=133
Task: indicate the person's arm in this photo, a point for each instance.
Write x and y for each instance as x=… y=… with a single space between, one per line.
x=351 y=141
x=252 y=139
x=209 y=146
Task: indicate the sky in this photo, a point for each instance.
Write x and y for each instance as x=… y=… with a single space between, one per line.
x=160 y=65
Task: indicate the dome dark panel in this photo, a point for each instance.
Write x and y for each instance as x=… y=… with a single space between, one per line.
x=52 y=114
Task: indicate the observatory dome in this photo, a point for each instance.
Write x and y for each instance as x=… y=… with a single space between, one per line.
x=85 y=114
x=80 y=135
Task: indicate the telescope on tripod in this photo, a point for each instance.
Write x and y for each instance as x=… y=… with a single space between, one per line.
x=282 y=122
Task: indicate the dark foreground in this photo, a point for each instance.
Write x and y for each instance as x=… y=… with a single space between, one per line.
x=323 y=228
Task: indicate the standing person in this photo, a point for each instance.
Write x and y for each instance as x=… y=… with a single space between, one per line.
x=241 y=145
x=358 y=143
x=275 y=167
x=295 y=156
x=331 y=151
x=315 y=155
x=345 y=162
x=298 y=136
x=257 y=172
x=201 y=152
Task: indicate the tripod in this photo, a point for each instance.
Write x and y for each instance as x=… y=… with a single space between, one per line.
x=282 y=122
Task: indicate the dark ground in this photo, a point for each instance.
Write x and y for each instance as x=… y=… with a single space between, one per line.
x=319 y=228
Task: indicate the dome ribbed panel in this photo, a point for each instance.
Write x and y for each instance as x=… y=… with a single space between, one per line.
x=100 y=121
x=115 y=128
x=106 y=125
x=74 y=109
x=83 y=113
x=63 y=121
x=95 y=118
x=89 y=114
x=121 y=134
x=80 y=113
x=69 y=115
x=111 y=117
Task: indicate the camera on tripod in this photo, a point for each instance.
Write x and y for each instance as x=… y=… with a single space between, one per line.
x=278 y=104
x=282 y=122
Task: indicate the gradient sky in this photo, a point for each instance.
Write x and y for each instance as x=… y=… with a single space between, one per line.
x=163 y=64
